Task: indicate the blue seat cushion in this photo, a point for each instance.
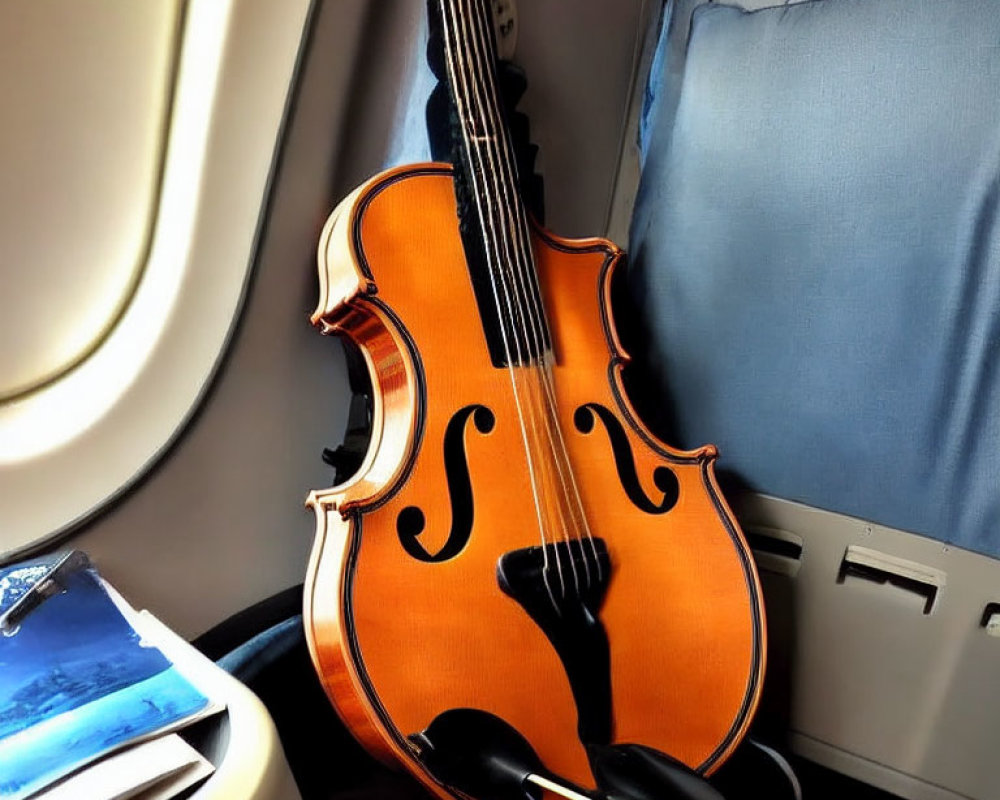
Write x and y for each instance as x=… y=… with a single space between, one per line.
x=816 y=253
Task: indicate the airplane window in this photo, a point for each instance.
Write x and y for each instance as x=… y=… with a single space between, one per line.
x=82 y=145
x=123 y=279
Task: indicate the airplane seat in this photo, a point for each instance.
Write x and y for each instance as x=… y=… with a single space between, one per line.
x=815 y=271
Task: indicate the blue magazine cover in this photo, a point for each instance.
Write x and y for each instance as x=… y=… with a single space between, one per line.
x=76 y=680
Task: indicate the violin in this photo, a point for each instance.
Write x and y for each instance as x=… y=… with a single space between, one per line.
x=515 y=550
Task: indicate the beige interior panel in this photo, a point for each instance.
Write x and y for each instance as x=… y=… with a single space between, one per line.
x=84 y=88
x=882 y=658
x=581 y=61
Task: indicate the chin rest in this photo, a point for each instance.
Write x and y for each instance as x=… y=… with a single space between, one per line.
x=479 y=754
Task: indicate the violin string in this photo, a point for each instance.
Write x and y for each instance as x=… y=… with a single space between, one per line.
x=518 y=225
x=530 y=296
x=526 y=266
x=535 y=310
x=515 y=303
x=507 y=184
x=487 y=202
x=482 y=53
x=455 y=63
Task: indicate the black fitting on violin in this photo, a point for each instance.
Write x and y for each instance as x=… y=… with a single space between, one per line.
x=641 y=773
x=479 y=754
x=562 y=586
x=483 y=756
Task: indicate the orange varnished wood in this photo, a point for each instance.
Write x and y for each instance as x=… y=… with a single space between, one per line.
x=397 y=640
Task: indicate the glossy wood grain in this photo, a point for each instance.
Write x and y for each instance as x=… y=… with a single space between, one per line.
x=397 y=640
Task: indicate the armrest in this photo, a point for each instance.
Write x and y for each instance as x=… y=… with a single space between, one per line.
x=246 y=751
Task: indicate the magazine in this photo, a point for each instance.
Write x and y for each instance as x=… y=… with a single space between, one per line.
x=77 y=681
x=157 y=769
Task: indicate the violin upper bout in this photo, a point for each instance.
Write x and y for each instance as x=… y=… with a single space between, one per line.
x=341 y=277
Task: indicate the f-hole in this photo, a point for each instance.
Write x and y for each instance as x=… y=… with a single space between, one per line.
x=411 y=521
x=663 y=477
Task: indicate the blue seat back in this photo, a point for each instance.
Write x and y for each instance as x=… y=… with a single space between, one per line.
x=816 y=253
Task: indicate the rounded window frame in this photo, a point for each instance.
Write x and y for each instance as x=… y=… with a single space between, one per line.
x=72 y=446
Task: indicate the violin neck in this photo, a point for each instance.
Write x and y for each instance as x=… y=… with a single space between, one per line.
x=493 y=206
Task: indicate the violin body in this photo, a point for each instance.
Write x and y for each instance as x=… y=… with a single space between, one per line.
x=411 y=605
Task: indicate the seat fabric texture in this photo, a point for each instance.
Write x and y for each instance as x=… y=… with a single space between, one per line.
x=816 y=254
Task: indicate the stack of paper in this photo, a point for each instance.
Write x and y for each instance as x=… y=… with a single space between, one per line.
x=78 y=682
